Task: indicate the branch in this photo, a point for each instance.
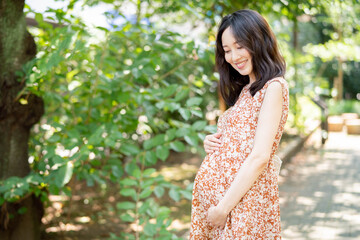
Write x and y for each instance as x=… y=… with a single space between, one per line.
x=174 y=69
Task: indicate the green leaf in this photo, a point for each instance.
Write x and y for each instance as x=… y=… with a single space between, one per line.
x=102 y=28
x=160 y=105
x=170 y=134
x=211 y=128
x=129 y=149
x=96 y=101
x=117 y=171
x=194 y=101
x=148 y=172
x=192 y=139
x=181 y=132
x=131 y=166
x=125 y=205
x=201 y=136
x=95 y=138
x=154 y=141
x=128 y=192
x=197 y=112
x=145 y=193
x=35 y=179
x=147 y=182
x=185 y=113
x=53 y=189
x=186 y=194
x=172 y=106
x=150 y=229
x=54 y=138
x=164 y=212
x=136 y=173
x=162 y=152
x=183 y=93
x=54 y=60
x=56 y=159
x=170 y=90
x=144 y=206
x=159 y=191
x=123 y=97
x=199 y=125
x=39 y=18
x=150 y=157
x=67 y=191
x=177 y=146
x=128 y=182
x=22 y=210
x=127 y=217
x=136 y=73
x=190 y=187
x=63 y=174
x=174 y=194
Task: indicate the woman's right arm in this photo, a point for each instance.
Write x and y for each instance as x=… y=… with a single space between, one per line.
x=212 y=142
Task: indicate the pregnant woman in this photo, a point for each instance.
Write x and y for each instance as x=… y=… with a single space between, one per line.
x=235 y=193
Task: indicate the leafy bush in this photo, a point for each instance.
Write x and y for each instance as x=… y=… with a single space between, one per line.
x=113 y=110
x=344 y=106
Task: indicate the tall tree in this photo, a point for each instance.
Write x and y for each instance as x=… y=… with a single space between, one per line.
x=342 y=45
x=20 y=219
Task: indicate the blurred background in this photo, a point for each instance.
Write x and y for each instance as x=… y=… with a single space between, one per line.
x=126 y=92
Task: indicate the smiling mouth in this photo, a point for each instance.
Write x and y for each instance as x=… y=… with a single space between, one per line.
x=241 y=64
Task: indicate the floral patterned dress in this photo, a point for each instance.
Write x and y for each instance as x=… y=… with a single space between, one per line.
x=257 y=215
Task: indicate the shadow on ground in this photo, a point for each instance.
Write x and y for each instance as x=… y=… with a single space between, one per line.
x=321 y=195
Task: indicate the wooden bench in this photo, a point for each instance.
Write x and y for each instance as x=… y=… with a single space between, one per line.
x=335 y=123
x=353 y=126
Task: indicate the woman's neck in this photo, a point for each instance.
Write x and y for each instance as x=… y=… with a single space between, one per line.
x=252 y=78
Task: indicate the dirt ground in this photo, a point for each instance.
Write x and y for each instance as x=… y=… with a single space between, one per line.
x=91 y=212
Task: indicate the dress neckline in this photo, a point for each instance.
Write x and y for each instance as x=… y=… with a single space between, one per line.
x=247 y=86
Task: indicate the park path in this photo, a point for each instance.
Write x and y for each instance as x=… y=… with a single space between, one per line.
x=320 y=190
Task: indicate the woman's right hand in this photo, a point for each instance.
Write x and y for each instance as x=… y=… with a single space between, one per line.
x=212 y=142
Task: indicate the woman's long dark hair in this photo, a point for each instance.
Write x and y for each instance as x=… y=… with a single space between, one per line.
x=253 y=33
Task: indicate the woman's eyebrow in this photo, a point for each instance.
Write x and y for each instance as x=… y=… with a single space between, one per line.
x=235 y=42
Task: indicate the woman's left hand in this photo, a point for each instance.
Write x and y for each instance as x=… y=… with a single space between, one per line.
x=217 y=217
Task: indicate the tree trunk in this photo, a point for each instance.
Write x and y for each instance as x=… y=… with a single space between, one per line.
x=338 y=81
x=17 y=47
x=299 y=83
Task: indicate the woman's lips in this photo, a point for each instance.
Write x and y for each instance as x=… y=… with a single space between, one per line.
x=241 y=64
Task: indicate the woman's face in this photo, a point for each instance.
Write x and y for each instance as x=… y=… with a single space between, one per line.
x=236 y=55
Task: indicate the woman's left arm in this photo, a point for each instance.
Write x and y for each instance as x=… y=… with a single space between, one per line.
x=256 y=162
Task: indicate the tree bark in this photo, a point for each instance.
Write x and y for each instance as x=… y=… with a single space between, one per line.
x=339 y=79
x=17 y=47
x=339 y=85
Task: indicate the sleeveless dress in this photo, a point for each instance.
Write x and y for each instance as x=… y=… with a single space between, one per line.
x=257 y=215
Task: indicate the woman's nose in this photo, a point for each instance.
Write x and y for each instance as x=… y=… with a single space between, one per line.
x=235 y=56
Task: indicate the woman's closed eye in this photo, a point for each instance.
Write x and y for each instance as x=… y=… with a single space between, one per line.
x=238 y=46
